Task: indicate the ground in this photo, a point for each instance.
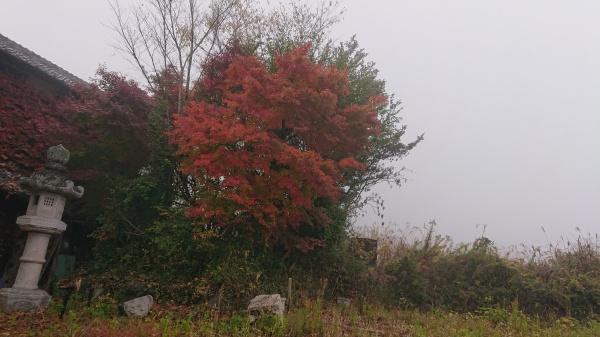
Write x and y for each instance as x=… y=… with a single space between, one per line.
x=313 y=318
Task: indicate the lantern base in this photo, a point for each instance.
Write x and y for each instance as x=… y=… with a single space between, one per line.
x=16 y=299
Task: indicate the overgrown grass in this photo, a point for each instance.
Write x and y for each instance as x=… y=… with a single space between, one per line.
x=312 y=318
x=430 y=271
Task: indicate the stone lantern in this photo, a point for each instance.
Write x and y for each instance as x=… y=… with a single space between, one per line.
x=48 y=192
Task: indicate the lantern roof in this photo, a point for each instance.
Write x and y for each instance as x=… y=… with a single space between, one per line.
x=53 y=177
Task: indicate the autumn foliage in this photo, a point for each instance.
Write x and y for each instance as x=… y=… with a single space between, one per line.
x=269 y=147
x=104 y=123
x=29 y=120
x=109 y=118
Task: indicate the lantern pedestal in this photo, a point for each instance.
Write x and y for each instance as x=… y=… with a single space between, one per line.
x=17 y=299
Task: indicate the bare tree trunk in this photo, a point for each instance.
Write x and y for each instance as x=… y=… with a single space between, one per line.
x=171 y=35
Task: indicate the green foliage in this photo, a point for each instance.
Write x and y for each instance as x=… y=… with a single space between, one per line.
x=467 y=277
x=306 y=320
x=384 y=149
x=271 y=325
x=234 y=276
x=565 y=279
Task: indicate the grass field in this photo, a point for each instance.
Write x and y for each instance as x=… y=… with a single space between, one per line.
x=310 y=319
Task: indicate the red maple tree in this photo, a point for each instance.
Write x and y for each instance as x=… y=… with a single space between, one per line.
x=269 y=148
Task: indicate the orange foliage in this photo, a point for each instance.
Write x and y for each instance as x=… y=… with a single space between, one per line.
x=269 y=147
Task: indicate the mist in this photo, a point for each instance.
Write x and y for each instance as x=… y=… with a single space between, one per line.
x=506 y=93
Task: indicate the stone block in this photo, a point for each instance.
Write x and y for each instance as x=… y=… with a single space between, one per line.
x=344 y=302
x=138 y=307
x=267 y=304
x=16 y=299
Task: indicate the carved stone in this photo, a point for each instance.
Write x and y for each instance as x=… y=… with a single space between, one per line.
x=53 y=178
x=58 y=154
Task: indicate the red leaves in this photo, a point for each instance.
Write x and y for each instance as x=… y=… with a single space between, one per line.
x=108 y=113
x=270 y=150
x=28 y=123
x=351 y=164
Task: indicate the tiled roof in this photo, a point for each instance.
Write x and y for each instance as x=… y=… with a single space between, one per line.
x=25 y=55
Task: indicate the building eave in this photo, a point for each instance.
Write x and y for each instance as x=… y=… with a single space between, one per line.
x=24 y=55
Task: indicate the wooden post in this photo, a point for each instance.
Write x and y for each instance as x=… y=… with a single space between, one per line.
x=289 y=293
x=323 y=286
x=219 y=303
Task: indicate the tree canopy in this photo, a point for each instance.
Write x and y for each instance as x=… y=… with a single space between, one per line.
x=271 y=147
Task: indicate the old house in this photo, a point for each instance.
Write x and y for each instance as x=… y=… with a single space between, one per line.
x=29 y=84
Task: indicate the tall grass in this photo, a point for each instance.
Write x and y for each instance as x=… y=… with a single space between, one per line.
x=424 y=270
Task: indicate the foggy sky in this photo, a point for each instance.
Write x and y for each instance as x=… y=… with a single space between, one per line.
x=506 y=92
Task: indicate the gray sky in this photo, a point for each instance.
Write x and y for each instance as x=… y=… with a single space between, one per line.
x=507 y=93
